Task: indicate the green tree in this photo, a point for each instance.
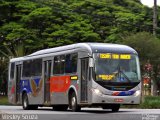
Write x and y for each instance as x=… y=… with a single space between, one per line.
x=148 y=48
x=30 y=25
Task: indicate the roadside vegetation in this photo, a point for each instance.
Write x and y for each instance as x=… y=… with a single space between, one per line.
x=149 y=102
x=4 y=100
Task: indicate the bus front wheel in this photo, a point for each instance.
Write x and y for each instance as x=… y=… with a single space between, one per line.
x=115 y=108
x=73 y=103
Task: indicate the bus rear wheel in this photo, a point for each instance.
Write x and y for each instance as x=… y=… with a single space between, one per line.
x=73 y=103
x=25 y=102
x=60 y=107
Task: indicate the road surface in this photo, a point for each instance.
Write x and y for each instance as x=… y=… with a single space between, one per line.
x=46 y=113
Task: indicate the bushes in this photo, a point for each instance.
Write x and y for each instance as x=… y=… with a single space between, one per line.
x=151 y=102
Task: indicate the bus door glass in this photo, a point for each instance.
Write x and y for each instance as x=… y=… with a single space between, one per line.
x=47 y=74
x=84 y=78
x=18 y=78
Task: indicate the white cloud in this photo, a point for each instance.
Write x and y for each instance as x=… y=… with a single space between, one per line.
x=149 y=3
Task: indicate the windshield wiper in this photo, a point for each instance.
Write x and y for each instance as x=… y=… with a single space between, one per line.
x=125 y=76
x=121 y=72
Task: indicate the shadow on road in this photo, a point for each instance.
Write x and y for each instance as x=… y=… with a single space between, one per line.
x=95 y=111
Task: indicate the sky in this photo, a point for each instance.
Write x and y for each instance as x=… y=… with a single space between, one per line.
x=149 y=3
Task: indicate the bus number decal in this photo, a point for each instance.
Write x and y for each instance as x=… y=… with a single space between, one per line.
x=107 y=56
x=115 y=56
x=125 y=56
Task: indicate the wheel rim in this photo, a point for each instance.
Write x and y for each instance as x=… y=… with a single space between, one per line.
x=25 y=102
x=73 y=102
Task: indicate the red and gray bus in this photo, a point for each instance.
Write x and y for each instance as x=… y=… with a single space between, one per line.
x=75 y=76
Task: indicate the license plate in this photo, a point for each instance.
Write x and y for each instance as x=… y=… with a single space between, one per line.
x=118 y=100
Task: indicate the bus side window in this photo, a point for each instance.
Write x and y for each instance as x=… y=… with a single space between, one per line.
x=12 y=70
x=27 y=68
x=74 y=63
x=71 y=63
x=62 y=64
x=59 y=64
x=65 y=64
x=56 y=67
x=68 y=64
x=37 y=67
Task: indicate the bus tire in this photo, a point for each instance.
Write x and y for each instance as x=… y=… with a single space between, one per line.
x=34 y=107
x=60 y=107
x=115 y=108
x=25 y=102
x=73 y=103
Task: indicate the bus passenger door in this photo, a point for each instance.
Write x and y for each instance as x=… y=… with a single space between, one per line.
x=47 y=74
x=18 y=78
x=84 y=80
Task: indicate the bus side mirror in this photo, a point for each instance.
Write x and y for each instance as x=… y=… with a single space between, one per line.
x=91 y=62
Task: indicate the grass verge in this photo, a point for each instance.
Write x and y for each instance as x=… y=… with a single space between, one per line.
x=150 y=102
x=4 y=100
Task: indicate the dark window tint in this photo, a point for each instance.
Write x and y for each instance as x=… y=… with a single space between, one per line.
x=27 y=68
x=62 y=64
x=59 y=65
x=65 y=64
x=32 y=68
x=12 y=70
x=74 y=63
x=68 y=64
x=56 y=69
x=71 y=63
x=36 y=67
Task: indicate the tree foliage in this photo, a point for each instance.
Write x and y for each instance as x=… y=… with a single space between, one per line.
x=148 y=48
x=49 y=23
x=30 y=25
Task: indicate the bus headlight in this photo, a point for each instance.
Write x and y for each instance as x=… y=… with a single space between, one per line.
x=137 y=93
x=97 y=91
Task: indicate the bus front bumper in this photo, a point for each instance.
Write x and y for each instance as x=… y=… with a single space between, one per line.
x=98 y=98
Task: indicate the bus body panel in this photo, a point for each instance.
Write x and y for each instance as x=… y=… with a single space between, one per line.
x=11 y=92
x=59 y=88
x=34 y=88
x=11 y=85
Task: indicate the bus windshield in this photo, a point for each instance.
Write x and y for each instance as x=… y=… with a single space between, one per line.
x=117 y=68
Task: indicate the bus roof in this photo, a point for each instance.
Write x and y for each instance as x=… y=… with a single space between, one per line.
x=90 y=47
x=111 y=48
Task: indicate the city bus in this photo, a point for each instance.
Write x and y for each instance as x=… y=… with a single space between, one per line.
x=75 y=76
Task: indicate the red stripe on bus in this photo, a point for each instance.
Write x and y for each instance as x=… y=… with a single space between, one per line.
x=13 y=90
x=115 y=93
x=59 y=83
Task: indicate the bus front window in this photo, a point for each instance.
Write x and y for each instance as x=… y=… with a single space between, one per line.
x=113 y=69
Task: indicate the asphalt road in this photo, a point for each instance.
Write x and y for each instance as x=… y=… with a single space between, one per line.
x=46 y=113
